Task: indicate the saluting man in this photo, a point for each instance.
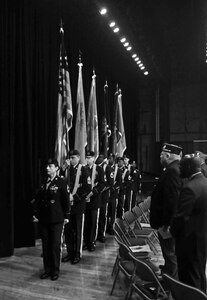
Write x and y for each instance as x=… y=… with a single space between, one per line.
x=92 y=202
x=80 y=186
x=109 y=180
x=52 y=211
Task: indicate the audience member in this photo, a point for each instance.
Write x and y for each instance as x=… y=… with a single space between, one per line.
x=190 y=224
x=203 y=158
x=164 y=201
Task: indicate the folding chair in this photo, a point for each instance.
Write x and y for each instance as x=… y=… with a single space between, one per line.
x=181 y=291
x=146 y=283
x=138 y=231
x=124 y=264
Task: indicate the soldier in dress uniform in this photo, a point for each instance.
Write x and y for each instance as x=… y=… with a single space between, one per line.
x=52 y=210
x=135 y=183
x=92 y=202
x=80 y=186
x=128 y=194
x=113 y=193
x=109 y=180
x=123 y=189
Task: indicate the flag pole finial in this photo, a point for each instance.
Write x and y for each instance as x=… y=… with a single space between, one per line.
x=79 y=62
x=117 y=87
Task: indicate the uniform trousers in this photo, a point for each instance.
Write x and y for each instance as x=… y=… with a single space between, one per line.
x=168 y=252
x=90 y=226
x=111 y=216
x=128 y=199
x=120 y=204
x=51 y=235
x=103 y=214
x=74 y=235
x=191 y=271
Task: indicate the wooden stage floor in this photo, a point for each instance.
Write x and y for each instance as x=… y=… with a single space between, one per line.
x=90 y=279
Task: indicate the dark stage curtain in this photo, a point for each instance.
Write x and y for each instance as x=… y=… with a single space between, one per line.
x=29 y=68
x=29 y=58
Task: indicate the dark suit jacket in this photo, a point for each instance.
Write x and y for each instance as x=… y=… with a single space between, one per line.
x=52 y=204
x=165 y=196
x=190 y=224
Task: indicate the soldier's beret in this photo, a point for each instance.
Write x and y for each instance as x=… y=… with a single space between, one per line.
x=74 y=152
x=120 y=158
x=100 y=159
x=170 y=148
x=53 y=161
x=90 y=153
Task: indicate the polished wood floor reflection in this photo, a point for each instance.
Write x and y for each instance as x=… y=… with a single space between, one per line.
x=90 y=279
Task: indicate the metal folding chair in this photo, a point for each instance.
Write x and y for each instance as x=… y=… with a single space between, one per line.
x=181 y=291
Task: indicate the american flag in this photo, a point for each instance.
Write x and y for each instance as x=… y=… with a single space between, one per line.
x=64 y=109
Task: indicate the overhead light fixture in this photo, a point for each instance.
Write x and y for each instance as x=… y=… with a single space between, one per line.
x=126 y=44
x=129 y=48
x=116 y=29
x=134 y=55
x=123 y=40
x=142 y=68
x=136 y=58
x=112 y=24
x=103 y=11
x=146 y=73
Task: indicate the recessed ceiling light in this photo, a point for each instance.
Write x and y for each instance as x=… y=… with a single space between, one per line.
x=126 y=44
x=123 y=40
x=129 y=48
x=103 y=11
x=116 y=29
x=112 y=24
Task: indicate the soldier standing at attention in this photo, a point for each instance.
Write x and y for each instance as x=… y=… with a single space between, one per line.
x=123 y=188
x=80 y=186
x=52 y=211
x=109 y=180
x=117 y=175
x=92 y=202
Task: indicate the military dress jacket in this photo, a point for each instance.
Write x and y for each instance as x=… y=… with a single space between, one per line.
x=99 y=185
x=117 y=184
x=52 y=202
x=165 y=196
x=109 y=181
x=83 y=189
x=190 y=223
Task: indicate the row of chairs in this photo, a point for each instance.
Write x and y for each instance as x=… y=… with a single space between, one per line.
x=133 y=234
x=144 y=277
x=135 y=263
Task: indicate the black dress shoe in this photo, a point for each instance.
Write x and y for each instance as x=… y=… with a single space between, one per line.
x=85 y=247
x=102 y=239
x=54 y=277
x=67 y=258
x=92 y=247
x=76 y=260
x=44 y=275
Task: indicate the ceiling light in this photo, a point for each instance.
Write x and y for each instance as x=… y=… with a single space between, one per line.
x=136 y=58
x=129 y=48
x=123 y=40
x=126 y=44
x=146 y=73
x=134 y=55
x=142 y=68
x=112 y=24
x=103 y=11
x=116 y=29
x=140 y=65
